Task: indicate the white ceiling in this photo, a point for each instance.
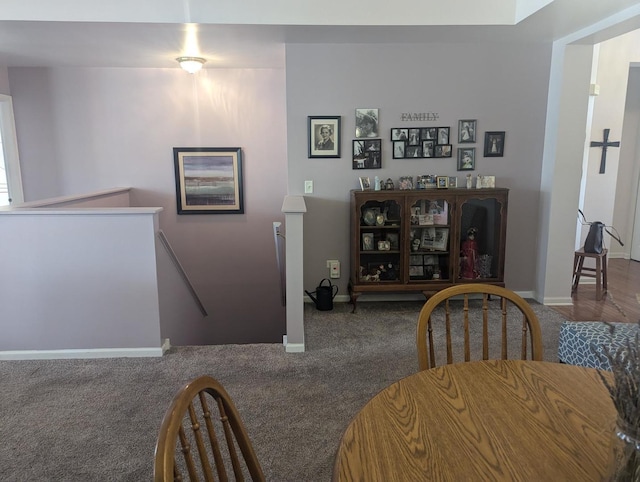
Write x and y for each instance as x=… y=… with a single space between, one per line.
x=50 y=37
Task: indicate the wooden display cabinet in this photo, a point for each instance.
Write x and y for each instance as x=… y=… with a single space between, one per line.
x=426 y=240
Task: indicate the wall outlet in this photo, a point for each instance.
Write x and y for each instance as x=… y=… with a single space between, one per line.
x=308 y=187
x=334 y=268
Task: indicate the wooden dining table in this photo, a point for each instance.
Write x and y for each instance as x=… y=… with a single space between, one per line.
x=485 y=420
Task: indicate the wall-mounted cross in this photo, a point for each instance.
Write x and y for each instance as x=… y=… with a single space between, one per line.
x=604 y=144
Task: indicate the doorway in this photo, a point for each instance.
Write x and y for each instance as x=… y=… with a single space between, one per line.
x=10 y=176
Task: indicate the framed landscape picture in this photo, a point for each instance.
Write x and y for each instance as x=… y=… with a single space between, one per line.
x=208 y=180
x=324 y=136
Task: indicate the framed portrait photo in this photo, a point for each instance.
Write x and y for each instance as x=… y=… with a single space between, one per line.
x=208 y=180
x=367 y=154
x=494 y=144
x=443 y=150
x=466 y=158
x=366 y=123
x=324 y=136
x=398 y=149
x=467 y=131
x=443 y=135
x=443 y=182
x=399 y=134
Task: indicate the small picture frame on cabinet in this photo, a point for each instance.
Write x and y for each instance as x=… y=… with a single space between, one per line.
x=365 y=183
x=453 y=181
x=443 y=182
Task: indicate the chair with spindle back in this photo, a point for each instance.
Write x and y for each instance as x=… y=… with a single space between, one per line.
x=488 y=328
x=194 y=424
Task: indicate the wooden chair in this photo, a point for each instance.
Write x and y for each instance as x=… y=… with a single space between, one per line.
x=483 y=324
x=198 y=416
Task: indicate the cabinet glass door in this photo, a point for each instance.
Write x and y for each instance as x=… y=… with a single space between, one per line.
x=429 y=238
x=379 y=242
x=480 y=231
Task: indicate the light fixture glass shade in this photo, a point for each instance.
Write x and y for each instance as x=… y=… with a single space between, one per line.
x=191 y=64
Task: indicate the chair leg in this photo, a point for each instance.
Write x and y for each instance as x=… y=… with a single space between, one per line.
x=598 y=278
x=604 y=273
x=579 y=260
x=576 y=276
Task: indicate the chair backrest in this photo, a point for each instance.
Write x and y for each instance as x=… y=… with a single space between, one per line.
x=200 y=436
x=476 y=327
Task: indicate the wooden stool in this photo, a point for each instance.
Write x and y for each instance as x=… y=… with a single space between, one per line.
x=599 y=272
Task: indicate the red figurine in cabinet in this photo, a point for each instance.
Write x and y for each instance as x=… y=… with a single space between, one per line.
x=468 y=255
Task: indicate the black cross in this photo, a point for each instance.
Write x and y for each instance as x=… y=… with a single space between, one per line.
x=604 y=144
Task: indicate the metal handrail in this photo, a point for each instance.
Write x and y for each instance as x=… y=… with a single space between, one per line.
x=183 y=273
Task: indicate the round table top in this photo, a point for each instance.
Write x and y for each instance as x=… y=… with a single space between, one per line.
x=487 y=420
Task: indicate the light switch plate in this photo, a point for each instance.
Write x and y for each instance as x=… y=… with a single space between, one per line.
x=308 y=187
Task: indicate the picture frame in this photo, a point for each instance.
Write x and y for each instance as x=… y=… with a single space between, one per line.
x=414 y=136
x=209 y=180
x=399 y=149
x=443 y=150
x=394 y=240
x=440 y=239
x=453 y=181
x=467 y=131
x=406 y=183
x=323 y=136
x=428 y=148
x=443 y=135
x=429 y=134
x=399 y=134
x=365 y=183
x=494 y=143
x=367 y=154
x=443 y=182
x=366 y=123
x=367 y=242
x=416 y=270
x=466 y=158
x=412 y=152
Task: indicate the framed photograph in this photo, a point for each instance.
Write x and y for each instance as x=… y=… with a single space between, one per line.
x=487 y=181
x=453 y=181
x=467 y=131
x=429 y=134
x=367 y=242
x=412 y=151
x=393 y=240
x=443 y=150
x=427 y=148
x=324 y=136
x=399 y=134
x=494 y=144
x=367 y=154
x=416 y=270
x=440 y=239
x=466 y=158
x=365 y=184
x=443 y=135
x=398 y=149
x=366 y=123
x=414 y=137
x=406 y=183
x=443 y=182
x=208 y=180
x=415 y=259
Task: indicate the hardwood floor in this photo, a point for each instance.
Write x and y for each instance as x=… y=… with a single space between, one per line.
x=620 y=303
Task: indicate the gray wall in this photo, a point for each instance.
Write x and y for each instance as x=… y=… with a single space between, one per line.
x=82 y=130
x=503 y=86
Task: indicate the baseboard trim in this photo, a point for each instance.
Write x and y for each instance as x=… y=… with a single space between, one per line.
x=557 y=301
x=294 y=347
x=82 y=353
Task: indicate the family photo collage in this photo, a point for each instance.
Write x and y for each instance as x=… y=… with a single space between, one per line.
x=407 y=142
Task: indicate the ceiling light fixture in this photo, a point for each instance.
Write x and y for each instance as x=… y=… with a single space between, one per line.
x=191 y=64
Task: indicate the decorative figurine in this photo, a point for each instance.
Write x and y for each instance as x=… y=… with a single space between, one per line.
x=469 y=181
x=377 y=184
x=468 y=255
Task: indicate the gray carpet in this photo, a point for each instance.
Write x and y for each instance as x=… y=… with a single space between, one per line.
x=89 y=420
